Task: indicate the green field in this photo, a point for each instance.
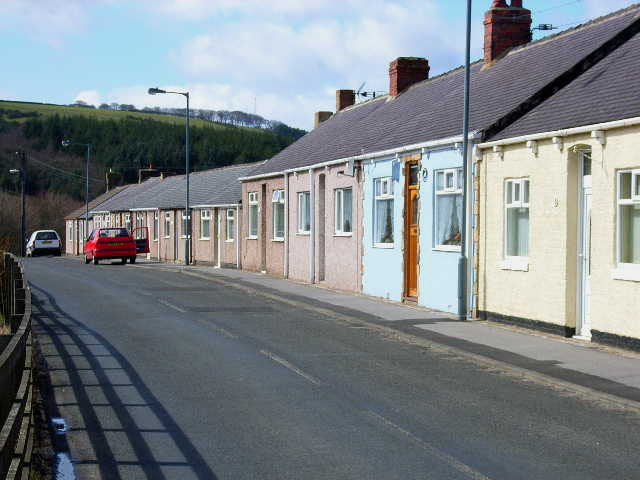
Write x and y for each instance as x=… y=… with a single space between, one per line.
x=48 y=109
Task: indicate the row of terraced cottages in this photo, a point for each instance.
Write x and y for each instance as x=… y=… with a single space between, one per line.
x=371 y=200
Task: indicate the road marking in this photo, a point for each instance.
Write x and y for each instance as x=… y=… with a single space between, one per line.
x=170 y=305
x=288 y=365
x=440 y=455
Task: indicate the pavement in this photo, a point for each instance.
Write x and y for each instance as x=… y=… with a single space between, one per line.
x=594 y=367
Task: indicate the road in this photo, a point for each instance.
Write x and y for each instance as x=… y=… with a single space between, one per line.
x=164 y=375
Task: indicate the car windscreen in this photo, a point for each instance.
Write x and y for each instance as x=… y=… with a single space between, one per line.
x=113 y=232
x=46 y=236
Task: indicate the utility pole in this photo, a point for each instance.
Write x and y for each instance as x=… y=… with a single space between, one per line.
x=23 y=212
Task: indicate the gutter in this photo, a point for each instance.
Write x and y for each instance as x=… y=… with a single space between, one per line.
x=366 y=156
x=286 y=225
x=629 y=122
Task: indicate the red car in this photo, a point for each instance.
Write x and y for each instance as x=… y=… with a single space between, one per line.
x=115 y=242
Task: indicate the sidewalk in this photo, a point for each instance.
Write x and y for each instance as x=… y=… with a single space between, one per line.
x=603 y=369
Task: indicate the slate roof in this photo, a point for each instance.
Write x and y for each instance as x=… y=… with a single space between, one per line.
x=609 y=91
x=432 y=109
x=120 y=202
x=80 y=212
x=219 y=186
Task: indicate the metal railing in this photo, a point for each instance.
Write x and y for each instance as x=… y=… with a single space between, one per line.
x=16 y=422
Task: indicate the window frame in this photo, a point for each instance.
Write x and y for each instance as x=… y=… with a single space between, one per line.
x=127 y=222
x=230 y=234
x=184 y=223
x=167 y=221
x=389 y=194
x=253 y=203
x=339 y=212
x=156 y=226
x=278 y=198
x=305 y=194
x=620 y=202
x=516 y=262
x=456 y=188
x=204 y=218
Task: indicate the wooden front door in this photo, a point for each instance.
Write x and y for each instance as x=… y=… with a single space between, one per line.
x=412 y=213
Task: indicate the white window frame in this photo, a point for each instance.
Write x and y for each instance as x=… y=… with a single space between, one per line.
x=127 y=222
x=253 y=203
x=625 y=271
x=230 y=225
x=386 y=193
x=184 y=223
x=167 y=222
x=98 y=221
x=277 y=198
x=456 y=188
x=339 y=212
x=515 y=262
x=156 y=225
x=301 y=196
x=205 y=216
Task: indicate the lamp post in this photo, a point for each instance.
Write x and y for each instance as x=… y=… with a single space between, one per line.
x=187 y=211
x=66 y=143
x=23 y=227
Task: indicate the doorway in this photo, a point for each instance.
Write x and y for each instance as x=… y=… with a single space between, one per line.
x=583 y=324
x=412 y=214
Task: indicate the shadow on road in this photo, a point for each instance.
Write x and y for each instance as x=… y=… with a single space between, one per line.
x=116 y=427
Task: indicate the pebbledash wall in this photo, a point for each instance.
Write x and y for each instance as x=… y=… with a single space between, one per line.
x=543 y=291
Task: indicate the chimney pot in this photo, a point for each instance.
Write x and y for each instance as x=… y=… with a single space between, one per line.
x=344 y=99
x=405 y=71
x=321 y=117
x=505 y=27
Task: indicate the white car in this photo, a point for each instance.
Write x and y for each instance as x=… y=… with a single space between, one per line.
x=44 y=241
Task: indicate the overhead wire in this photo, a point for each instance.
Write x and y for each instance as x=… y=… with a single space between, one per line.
x=61 y=171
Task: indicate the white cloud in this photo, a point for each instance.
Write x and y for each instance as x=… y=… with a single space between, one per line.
x=92 y=97
x=596 y=8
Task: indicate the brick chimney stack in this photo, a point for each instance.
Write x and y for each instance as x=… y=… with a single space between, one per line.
x=505 y=27
x=320 y=117
x=405 y=71
x=344 y=99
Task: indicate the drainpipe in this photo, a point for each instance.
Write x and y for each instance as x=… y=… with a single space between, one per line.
x=219 y=235
x=236 y=216
x=286 y=225
x=312 y=233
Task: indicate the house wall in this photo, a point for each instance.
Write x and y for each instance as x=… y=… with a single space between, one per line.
x=167 y=237
x=342 y=254
x=70 y=241
x=383 y=268
x=229 y=247
x=299 y=243
x=438 y=268
x=154 y=244
x=262 y=252
x=547 y=291
x=203 y=248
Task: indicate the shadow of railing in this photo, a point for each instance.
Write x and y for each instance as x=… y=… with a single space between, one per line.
x=117 y=428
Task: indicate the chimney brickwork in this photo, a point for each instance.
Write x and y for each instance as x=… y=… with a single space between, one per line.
x=320 y=117
x=405 y=71
x=344 y=99
x=505 y=27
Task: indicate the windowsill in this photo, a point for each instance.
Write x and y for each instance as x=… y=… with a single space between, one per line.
x=252 y=237
x=156 y=240
x=349 y=234
x=229 y=241
x=303 y=234
x=204 y=238
x=446 y=248
x=629 y=273
x=519 y=264
x=167 y=236
x=383 y=245
x=280 y=240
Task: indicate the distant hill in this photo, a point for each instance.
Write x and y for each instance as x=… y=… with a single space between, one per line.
x=124 y=141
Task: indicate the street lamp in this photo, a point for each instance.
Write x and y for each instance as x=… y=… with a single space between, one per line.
x=187 y=211
x=23 y=228
x=66 y=143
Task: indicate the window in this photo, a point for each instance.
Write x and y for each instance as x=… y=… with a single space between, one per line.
x=449 y=185
x=127 y=221
x=277 y=200
x=156 y=225
x=517 y=218
x=140 y=223
x=205 y=224
x=107 y=221
x=253 y=214
x=167 y=224
x=304 y=212
x=629 y=217
x=70 y=230
x=230 y=224
x=185 y=226
x=98 y=221
x=344 y=211
x=383 y=216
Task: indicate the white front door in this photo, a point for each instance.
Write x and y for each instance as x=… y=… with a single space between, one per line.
x=583 y=329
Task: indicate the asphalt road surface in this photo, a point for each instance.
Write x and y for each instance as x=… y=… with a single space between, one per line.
x=163 y=375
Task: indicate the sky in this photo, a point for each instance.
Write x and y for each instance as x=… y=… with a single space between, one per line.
x=282 y=59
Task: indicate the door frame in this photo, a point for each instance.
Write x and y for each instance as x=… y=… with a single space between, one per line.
x=583 y=326
x=409 y=162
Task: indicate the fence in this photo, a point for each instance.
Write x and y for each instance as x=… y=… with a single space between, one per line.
x=16 y=422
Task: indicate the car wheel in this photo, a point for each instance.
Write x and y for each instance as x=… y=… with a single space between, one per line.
x=123 y=260
x=95 y=260
x=132 y=259
x=58 y=253
x=86 y=260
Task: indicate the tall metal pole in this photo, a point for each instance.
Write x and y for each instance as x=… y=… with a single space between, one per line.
x=86 y=195
x=23 y=207
x=462 y=264
x=187 y=243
